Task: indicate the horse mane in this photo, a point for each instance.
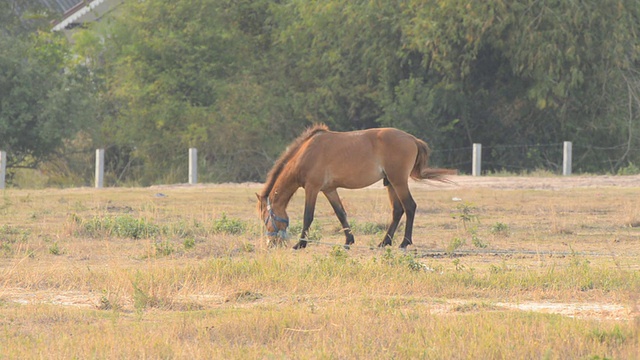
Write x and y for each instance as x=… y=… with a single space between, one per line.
x=284 y=158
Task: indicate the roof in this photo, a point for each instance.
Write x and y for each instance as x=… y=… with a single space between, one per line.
x=77 y=12
x=60 y=6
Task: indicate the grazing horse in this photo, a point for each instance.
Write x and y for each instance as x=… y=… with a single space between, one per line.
x=321 y=160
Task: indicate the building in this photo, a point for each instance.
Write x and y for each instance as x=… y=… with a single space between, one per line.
x=77 y=12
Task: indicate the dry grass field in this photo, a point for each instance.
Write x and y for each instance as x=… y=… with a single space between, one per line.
x=502 y=268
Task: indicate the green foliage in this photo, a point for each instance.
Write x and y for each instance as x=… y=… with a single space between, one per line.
x=368 y=228
x=455 y=244
x=500 y=229
x=466 y=212
x=44 y=99
x=164 y=248
x=229 y=226
x=125 y=226
x=391 y=258
x=614 y=336
x=630 y=169
x=54 y=249
x=189 y=243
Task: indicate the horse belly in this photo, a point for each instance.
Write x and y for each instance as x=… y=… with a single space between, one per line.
x=355 y=176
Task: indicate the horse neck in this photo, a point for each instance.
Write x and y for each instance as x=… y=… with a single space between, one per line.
x=282 y=191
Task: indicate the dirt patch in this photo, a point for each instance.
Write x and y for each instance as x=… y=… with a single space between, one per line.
x=577 y=310
x=589 y=310
x=584 y=310
x=543 y=183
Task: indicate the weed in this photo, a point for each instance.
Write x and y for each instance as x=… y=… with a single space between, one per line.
x=368 y=228
x=189 y=243
x=245 y=296
x=107 y=302
x=225 y=225
x=466 y=213
x=142 y=300
x=630 y=169
x=54 y=249
x=455 y=244
x=458 y=265
x=12 y=234
x=500 y=229
x=475 y=239
x=405 y=260
x=164 y=248
x=124 y=226
x=314 y=232
x=248 y=247
x=338 y=253
x=615 y=336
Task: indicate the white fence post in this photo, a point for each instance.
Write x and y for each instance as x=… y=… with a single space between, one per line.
x=566 y=159
x=3 y=168
x=476 y=165
x=99 y=168
x=193 y=166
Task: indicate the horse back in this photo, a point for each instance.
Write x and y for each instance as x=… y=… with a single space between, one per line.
x=356 y=159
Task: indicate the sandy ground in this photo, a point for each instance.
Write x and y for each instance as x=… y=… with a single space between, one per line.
x=492 y=182
x=581 y=310
x=545 y=183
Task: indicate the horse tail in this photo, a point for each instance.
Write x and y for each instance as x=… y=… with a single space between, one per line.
x=421 y=170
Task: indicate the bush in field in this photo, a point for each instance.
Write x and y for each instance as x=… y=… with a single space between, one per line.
x=229 y=226
x=124 y=226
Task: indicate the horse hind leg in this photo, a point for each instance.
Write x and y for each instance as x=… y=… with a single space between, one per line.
x=336 y=204
x=409 y=206
x=397 y=212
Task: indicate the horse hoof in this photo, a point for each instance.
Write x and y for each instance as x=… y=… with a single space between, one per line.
x=300 y=245
x=383 y=244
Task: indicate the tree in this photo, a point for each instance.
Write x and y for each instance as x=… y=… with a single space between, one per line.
x=44 y=101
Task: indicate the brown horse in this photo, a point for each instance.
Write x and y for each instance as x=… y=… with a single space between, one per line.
x=324 y=160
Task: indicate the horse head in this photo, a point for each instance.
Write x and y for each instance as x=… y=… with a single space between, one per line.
x=275 y=225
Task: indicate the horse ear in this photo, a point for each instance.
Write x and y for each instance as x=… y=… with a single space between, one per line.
x=258 y=196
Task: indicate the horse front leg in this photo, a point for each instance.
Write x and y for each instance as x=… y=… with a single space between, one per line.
x=310 y=198
x=336 y=204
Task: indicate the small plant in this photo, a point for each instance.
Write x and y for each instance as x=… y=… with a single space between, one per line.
x=475 y=239
x=500 y=229
x=225 y=225
x=142 y=300
x=164 y=248
x=614 y=336
x=630 y=169
x=466 y=213
x=338 y=253
x=124 y=226
x=189 y=243
x=247 y=247
x=413 y=264
x=458 y=264
x=12 y=234
x=54 y=249
x=106 y=302
x=314 y=232
x=368 y=228
x=405 y=260
x=455 y=244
